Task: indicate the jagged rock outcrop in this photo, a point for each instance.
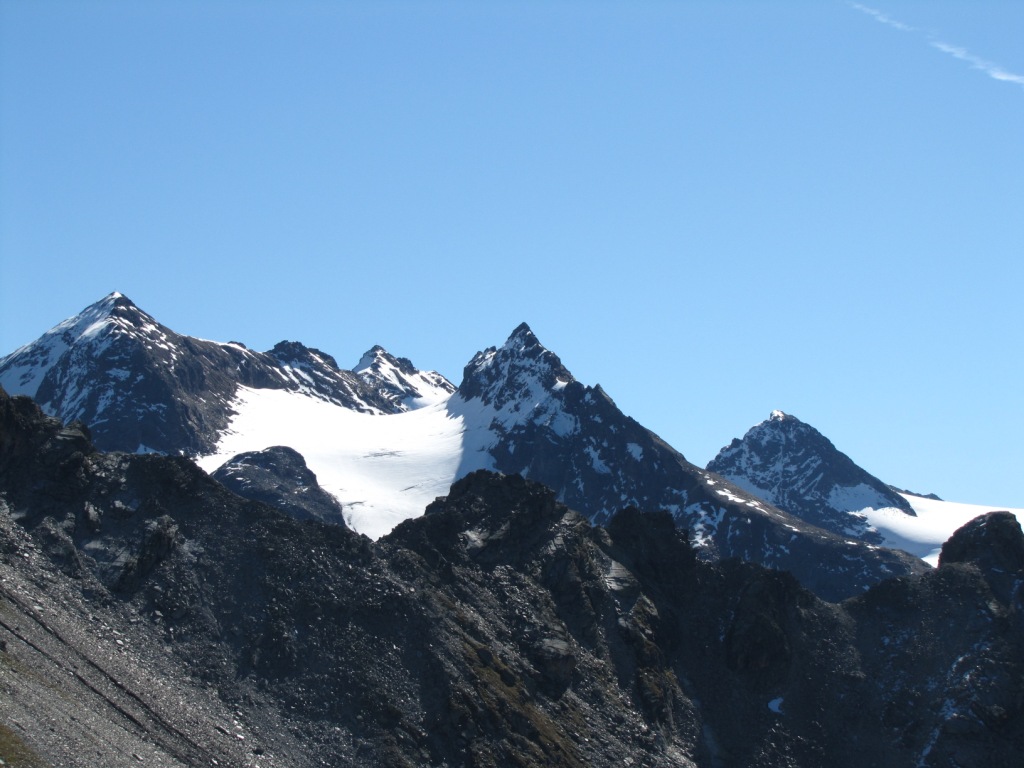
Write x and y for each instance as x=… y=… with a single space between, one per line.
x=501 y=628
x=278 y=476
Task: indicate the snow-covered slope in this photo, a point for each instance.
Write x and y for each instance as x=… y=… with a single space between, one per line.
x=934 y=521
x=383 y=468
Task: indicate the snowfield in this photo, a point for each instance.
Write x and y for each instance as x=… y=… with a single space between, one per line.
x=936 y=521
x=382 y=468
x=387 y=468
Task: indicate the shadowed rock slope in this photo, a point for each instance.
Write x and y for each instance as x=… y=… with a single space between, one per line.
x=278 y=476
x=150 y=616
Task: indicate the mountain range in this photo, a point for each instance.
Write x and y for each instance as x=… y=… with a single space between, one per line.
x=215 y=556
x=385 y=438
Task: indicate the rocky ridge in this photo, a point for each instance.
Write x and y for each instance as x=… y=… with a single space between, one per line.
x=501 y=628
x=398 y=380
x=543 y=424
x=142 y=387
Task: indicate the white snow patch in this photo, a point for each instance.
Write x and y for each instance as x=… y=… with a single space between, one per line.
x=618 y=578
x=382 y=468
x=705 y=527
x=563 y=424
x=596 y=462
x=729 y=495
x=635 y=450
x=855 y=498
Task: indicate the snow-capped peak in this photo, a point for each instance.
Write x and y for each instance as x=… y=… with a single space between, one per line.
x=521 y=369
x=522 y=337
x=374 y=356
x=93 y=329
x=398 y=380
x=792 y=465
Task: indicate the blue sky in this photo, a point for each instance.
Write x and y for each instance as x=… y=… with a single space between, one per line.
x=713 y=209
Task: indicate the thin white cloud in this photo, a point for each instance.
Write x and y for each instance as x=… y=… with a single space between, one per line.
x=882 y=18
x=991 y=69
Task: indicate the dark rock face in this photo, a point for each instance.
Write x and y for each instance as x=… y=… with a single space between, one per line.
x=501 y=628
x=995 y=544
x=278 y=476
x=793 y=466
x=515 y=374
x=994 y=541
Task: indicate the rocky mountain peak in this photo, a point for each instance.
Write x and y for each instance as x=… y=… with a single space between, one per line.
x=295 y=354
x=142 y=387
x=114 y=314
x=81 y=367
x=524 y=335
x=377 y=358
x=397 y=380
x=994 y=537
x=521 y=368
x=92 y=330
x=791 y=465
x=113 y=301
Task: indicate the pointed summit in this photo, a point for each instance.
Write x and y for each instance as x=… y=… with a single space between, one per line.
x=113 y=306
x=116 y=298
x=521 y=369
x=792 y=465
x=524 y=334
x=90 y=331
x=374 y=356
x=397 y=380
x=524 y=341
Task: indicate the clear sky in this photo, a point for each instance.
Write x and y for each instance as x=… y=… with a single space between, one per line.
x=713 y=209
